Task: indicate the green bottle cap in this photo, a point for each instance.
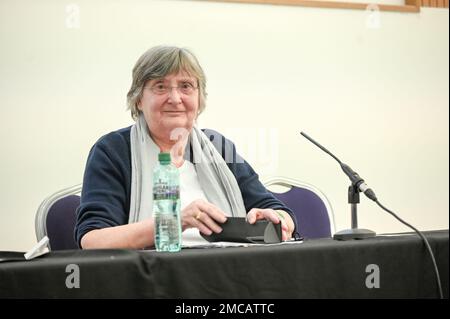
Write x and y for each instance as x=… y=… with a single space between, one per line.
x=164 y=157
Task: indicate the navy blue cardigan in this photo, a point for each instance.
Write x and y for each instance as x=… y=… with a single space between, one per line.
x=105 y=197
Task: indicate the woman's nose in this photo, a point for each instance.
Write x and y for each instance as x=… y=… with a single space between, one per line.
x=174 y=95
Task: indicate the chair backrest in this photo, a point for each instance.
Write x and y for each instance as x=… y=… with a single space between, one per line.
x=55 y=218
x=311 y=207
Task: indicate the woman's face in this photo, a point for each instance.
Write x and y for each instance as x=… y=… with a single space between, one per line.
x=170 y=103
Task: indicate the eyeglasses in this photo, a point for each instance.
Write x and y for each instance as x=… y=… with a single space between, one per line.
x=185 y=88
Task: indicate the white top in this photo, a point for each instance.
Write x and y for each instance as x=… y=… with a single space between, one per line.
x=190 y=190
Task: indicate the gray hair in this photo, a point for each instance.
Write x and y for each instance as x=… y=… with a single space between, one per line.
x=156 y=63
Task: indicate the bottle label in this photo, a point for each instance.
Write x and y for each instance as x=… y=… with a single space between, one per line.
x=162 y=190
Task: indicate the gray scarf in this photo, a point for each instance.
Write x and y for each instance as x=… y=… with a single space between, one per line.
x=216 y=179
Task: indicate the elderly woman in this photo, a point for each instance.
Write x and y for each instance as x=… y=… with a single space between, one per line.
x=166 y=97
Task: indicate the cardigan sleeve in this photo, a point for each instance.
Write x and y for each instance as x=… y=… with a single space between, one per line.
x=105 y=197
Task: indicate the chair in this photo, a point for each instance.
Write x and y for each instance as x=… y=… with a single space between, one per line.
x=55 y=218
x=311 y=207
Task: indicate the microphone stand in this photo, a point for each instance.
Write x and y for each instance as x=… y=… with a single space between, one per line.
x=354 y=232
x=357 y=186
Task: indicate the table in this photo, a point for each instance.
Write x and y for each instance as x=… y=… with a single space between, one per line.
x=320 y=268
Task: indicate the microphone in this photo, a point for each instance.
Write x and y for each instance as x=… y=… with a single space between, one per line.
x=356 y=180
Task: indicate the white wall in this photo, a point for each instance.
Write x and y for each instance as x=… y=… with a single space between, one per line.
x=378 y=98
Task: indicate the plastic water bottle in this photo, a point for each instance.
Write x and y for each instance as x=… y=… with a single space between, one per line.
x=166 y=205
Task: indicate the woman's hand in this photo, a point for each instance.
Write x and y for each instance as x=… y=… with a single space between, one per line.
x=274 y=216
x=204 y=216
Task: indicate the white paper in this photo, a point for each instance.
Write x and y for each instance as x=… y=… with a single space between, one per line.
x=226 y=244
x=39 y=249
